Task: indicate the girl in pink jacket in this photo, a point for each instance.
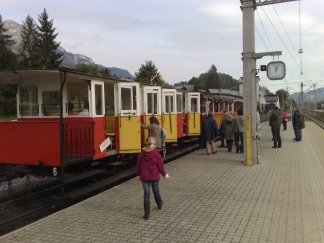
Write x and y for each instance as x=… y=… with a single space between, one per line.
x=149 y=167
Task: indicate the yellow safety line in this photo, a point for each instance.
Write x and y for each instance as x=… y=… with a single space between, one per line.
x=248 y=140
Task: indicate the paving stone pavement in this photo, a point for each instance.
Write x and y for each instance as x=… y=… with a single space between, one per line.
x=211 y=198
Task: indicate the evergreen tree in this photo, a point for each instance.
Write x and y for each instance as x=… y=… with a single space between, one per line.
x=7 y=57
x=146 y=72
x=90 y=68
x=105 y=72
x=283 y=97
x=51 y=58
x=28 y=46
x=227 y=82
x=212 y=78
x=200 y=83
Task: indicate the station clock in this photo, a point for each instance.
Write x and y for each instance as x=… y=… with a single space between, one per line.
x=276 y=70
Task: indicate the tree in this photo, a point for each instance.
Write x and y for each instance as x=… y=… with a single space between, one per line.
x=283 y=97
x=7 y=57
x=265 y=90
x=227 y=82
x=182 y=83
x=28 y=48
x=200 y=83
x=105 y=72
x=212 y=78
x=146 y=72
x=51 y=58
x=92 y=69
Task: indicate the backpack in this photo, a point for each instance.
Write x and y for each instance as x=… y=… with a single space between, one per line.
x=163 y=135
x=302 y=121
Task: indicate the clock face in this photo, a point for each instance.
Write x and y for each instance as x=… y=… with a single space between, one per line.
x=276 y=70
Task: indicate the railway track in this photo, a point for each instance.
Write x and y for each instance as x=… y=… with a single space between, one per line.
x=27 y=209
x=316 y=117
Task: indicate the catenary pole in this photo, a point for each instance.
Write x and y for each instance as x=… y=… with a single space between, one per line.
x=249 y=77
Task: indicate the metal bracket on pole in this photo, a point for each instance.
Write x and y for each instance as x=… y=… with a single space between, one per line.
x=263 y=54
x=267 y=2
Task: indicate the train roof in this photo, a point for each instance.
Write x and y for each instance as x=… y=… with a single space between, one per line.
x=223 y=94
x=26 y=76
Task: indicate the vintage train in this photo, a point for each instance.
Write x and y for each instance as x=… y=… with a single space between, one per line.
x=66 y=118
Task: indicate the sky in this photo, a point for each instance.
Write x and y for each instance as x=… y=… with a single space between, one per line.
x=184 y=38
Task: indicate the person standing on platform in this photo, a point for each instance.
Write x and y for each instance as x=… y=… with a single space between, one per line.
x=229 y=131
x=222 y=131
x=149 y=167
x=275 y=122
x=284 y=119
x=210 y=131
x=155 y=130
x=238 y=131
x=296 y=121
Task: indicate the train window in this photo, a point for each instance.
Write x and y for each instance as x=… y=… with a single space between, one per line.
x=28 y=100
x=109 y=99
x=169 y=104
x=77 y=94
x=179 y=103
x=51 y=103
x=151 y=103
x=98 y=99
x=134 y=100
x=126 y=101
x=194 y=106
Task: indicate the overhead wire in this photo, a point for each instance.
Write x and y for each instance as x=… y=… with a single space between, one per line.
x=264 y=32
x=300 y=58
x=300 y=46
x=261 y=38
x=279 y=36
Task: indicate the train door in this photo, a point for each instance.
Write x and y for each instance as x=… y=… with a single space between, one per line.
x=193 y=113
x=151 y=106
x=180 y=116
x=127 y=98
x=97 y=112
x=169 y=114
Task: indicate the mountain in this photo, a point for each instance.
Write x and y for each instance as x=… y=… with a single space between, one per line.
x=69 y=58
x=309 y=95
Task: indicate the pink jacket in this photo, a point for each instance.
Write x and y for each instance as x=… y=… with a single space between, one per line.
x=284 y=116
x=150 y=165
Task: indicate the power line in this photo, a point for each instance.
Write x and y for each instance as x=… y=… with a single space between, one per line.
x=264 y=32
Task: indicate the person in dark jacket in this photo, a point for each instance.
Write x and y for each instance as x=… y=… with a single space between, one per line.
x=222 y=131
x=238 y=131
x=149 y=167
x=210 y=131
x=275 y=122
x=229 y=131
x=297 y=124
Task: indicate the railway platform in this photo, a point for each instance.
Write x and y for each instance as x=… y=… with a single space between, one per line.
x=211 y=198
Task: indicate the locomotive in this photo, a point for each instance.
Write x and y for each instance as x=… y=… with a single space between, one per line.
x=65 y=119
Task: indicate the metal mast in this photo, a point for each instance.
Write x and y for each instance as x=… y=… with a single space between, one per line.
x=249 y=76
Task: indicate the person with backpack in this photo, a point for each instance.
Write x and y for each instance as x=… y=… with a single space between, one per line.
x=297 y=124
